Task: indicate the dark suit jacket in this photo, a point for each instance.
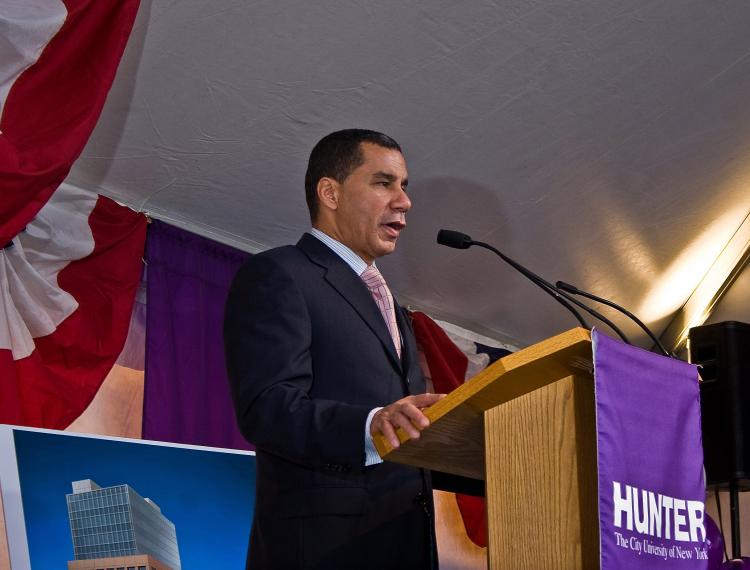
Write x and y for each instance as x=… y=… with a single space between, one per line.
x=308 y=356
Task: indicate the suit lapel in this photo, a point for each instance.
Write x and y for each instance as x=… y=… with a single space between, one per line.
x=348 y=284
x=407 y=337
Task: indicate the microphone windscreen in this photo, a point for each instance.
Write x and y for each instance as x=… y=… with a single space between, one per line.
x=451 y=238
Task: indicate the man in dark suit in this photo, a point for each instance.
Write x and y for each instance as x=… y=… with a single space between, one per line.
x=320 y=358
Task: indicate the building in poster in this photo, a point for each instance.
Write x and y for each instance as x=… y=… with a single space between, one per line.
x=114 y=527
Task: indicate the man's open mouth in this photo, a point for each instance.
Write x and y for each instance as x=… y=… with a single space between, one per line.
x=393 y=229
x=398 y=226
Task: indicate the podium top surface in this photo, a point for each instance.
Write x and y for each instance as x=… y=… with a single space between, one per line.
x=454 y=441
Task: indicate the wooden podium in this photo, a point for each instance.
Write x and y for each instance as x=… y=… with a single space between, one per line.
x=526 y=425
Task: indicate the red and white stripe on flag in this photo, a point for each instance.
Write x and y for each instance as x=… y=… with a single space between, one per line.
x=448 y=367
x=69 y=265
x=57 y=62
x=67 y=285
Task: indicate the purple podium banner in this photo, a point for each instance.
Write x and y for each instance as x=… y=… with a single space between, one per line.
x=651 y=486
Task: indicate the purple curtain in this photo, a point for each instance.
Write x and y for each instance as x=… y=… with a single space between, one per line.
x=186 y=394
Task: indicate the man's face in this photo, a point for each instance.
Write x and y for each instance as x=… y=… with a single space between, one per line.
x=372 y=203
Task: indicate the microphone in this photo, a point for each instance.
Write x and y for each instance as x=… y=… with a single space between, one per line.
x=576 y=291
x=459 y=240
x=454 y=239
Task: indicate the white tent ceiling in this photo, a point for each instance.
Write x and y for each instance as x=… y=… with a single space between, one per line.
x=602 y=142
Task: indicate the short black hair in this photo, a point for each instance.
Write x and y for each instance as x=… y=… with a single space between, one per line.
x=336 y=156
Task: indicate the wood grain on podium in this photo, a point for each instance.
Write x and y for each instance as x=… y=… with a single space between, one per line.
x=528 y=423
x=542 y=478
x=454 y=442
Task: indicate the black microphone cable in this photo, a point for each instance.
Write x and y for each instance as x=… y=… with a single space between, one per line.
x=459 y=240
x=576 y=291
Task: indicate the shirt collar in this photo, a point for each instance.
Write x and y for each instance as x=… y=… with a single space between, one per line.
x=354 y=261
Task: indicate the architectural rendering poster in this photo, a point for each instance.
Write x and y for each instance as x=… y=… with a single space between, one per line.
x=69 y=498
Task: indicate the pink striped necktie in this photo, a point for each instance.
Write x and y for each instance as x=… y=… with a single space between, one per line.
x=384 y=300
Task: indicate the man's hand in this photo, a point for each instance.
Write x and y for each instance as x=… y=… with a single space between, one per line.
x=405 y=413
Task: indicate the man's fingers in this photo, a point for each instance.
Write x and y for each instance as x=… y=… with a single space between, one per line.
x=426 y=400
x=383 y=423
x=413 y=413
x=406 y=422
x=405 y=414
x=389 y=419
x=390 y=434
x=414 y=405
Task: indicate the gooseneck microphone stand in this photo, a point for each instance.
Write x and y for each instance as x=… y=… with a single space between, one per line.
x=459 y=240
x=572 y=289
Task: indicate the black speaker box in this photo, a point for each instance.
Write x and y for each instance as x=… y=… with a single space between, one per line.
x=723 y=352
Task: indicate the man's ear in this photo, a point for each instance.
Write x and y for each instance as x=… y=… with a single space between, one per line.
x=328 y=193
